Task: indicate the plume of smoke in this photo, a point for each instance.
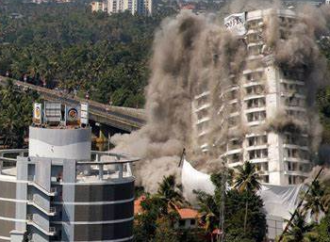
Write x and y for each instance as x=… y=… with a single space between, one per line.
x=294 y=46
x=189 y=52
x=192 y=53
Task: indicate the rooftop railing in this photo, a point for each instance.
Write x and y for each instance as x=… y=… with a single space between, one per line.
x=102 y=166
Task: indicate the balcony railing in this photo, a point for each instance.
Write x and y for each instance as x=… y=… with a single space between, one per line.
x=50 y=212
x=51 y=231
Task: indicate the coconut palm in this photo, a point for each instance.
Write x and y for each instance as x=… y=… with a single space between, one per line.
x=208 y=211
x=300 y=231
x=317 y=200
x=169 y=193
x=247 y=178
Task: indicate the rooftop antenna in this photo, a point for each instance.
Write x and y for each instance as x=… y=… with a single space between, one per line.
x=182 y=157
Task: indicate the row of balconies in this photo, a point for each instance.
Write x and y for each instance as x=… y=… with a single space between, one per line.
x=51 y=231
x=52 y=192
x=33 y=202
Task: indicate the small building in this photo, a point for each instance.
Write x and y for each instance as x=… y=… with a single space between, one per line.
x=188 y=218
x=98 y=6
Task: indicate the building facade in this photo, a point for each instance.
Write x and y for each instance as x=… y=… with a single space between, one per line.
x=60 y=190
x=139 y=7
x=251 y=101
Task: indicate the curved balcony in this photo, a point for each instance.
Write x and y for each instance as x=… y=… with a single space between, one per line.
x=202 y=120
x=203 y=94
x=51 y=231
x=297 y=160
x=256 y=109
x=49 y=212
x=203 y=107
x=293 y=146
x=296 y=173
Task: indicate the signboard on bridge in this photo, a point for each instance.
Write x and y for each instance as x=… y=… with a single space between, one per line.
x=53 y=113
x=84 y=114
x=72 y=115
x=37 y=113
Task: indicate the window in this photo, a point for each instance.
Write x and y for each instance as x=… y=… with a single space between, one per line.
x=294 y=102
x=293 y=88
x=293 y=153
x=297 y=113
x=265 y=179
x=295 y=139
x=202 y=126
x=304 y=167
x=254 y=37
x=202 y=101
x=202 y=114
x=256 y=116
x=257 y=140
x=258 y=154
x=255 y=50
x=234 y=107
x=255 y=90
x=182 y=223
x=255 y=103
x=293 y=180
x=234 y=158
x=232 y=121
x=234 y=144
x=254 y=24
x=192 y=221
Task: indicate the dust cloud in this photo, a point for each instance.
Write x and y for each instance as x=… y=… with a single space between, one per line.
x=195 y=53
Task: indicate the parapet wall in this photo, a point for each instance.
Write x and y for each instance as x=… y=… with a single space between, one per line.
x=60 y=143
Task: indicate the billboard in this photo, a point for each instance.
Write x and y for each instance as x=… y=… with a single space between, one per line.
x=235 y=23
x=53 y=113
x=72 y=115
x=37 y=113
x=84 y=114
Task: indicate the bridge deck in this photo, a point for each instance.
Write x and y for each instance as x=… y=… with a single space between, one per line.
x=126 y=119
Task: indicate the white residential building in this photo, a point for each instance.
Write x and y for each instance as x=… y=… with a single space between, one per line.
x=140 y=7
x=98 y=6
x=262 y=90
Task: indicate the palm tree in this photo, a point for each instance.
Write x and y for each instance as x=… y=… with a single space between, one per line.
x=169 y=193
x=247 y=179
x=208 y=211
x=317 y=200
x=300 y=231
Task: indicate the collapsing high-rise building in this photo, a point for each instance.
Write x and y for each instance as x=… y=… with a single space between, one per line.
x=264 y=112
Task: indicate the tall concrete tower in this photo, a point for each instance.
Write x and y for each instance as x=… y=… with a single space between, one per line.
x=60 y=190
x=252 y=100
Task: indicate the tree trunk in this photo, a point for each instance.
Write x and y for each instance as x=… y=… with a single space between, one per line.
x=245 y=218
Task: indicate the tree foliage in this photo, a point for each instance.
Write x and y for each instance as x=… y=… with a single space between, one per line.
x=242 y=222
x=66 y=45
x=16 y=114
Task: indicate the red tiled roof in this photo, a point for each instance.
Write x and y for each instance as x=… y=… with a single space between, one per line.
x=137 y=205
x=187 y=213
x=188 y=7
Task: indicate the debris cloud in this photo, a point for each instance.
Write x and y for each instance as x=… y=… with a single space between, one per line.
x=195 y=53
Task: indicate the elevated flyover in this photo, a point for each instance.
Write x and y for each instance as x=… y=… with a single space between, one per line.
x=122 y=118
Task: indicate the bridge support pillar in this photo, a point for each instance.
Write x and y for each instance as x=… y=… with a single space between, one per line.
x=103 y=135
